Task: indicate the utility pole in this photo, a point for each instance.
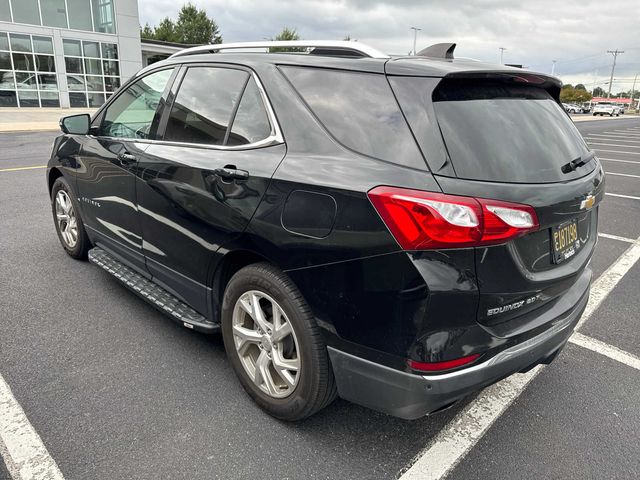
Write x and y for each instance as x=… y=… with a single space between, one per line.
x=633 y=90
x=415 y=37
x=502 y=49
x=615 y=54
x=553 y=67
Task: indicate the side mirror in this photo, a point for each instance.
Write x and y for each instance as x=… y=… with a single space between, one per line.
x=76 y=124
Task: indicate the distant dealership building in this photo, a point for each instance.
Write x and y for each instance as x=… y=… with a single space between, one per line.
x=69 y=53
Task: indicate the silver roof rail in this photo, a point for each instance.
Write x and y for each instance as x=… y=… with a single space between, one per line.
x=332 y=47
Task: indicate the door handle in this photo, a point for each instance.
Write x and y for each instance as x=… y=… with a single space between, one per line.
x=230 y=172
x=126 y=158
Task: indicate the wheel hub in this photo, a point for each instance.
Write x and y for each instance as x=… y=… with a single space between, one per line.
x=66 y=219
x=261 y=331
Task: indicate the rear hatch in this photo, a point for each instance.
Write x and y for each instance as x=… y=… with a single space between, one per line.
x=506 y=137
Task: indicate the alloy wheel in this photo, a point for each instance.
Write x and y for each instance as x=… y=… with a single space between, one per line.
x=66 y=218
x=266 y=344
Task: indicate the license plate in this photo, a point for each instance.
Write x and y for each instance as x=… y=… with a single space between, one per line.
x=565 y=241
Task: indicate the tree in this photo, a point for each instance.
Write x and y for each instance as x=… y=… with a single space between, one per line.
x=598 y=92
x=569 y=94
x=166 y=31
x=194 y=26
x=580 y=87
x=146 y=31
x=287 y=34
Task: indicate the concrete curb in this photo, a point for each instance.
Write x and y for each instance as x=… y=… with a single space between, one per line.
x=591 y=118
x=29 y=127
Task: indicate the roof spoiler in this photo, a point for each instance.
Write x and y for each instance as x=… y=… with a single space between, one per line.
x=438 y=50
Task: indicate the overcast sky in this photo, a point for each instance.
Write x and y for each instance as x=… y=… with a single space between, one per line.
x=576 y=33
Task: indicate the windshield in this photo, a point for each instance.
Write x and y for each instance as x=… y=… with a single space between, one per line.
x=507 y=133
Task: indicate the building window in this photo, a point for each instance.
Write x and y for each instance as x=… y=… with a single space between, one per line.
x=5 y=11
x=79 y=15
x=103 y=20
x=93 y=71
x=89 y=15
x=26 y=11
x=54 y=13
x=27 y=71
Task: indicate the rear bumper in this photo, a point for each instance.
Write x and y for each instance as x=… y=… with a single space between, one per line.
x=411 y=396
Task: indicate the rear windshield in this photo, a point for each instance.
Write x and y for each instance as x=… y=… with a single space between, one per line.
x=507 y=133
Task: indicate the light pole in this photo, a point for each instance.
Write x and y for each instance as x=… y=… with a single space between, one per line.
x=502 y=49
x=553 y=67
x=415 y=37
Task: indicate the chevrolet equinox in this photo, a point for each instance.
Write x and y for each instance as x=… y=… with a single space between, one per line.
x=396 y=231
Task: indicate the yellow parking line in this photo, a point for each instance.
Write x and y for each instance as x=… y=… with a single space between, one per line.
x=15 y=169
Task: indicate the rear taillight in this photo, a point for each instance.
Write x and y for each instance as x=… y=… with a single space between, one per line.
x=426 y=220
x=446 y=365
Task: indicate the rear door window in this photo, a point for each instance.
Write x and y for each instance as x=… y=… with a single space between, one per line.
x=251 y=123
x=360 y=111
x=507 y=133
x=204 y=105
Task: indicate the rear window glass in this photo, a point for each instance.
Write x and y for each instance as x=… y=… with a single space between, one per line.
x=360 y=111
x=507 y=133
x=251 y=123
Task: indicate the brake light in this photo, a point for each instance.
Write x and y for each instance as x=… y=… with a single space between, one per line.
x=421 y=220
x=447 y=365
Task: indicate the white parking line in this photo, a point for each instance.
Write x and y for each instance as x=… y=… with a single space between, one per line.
x=606 y=350
x=622 y=196
x=616 y=151
x=609 y=279
x=618 y=160
x=616 y=237
x=459 y=436
x=609 y=139
x=613 y=145
x=623 y=174
x=617 y=133
x=21 y=447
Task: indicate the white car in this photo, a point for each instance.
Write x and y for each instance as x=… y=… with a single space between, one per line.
x=606 y=109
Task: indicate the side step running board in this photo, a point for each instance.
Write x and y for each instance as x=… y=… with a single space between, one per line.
x=152 y=293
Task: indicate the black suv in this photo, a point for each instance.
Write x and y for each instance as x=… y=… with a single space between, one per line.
x=400 y=232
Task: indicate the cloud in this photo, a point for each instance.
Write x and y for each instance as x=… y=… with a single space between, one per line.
x=575 y=33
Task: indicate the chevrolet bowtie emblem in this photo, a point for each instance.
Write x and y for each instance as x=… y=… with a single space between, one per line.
x=588 y=202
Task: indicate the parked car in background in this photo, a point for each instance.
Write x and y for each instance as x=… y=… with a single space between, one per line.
x=606 y=108
x=586 y=108
x=570 y=108
x=622 y=108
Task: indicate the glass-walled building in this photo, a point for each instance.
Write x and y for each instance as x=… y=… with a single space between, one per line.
x=66 y=53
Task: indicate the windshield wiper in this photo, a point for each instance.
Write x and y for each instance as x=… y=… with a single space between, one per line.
x=578 y=162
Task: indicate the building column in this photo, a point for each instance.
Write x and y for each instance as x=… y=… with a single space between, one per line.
x=61 y=70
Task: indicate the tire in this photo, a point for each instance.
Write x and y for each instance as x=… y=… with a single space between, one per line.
x=312 y=386
x=611 y=114
x=594 y=114
x=74 y=241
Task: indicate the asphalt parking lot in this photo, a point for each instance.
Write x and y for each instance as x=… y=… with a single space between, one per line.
x=115 y=390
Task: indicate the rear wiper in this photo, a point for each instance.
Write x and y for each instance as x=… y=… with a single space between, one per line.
x=578 y=162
